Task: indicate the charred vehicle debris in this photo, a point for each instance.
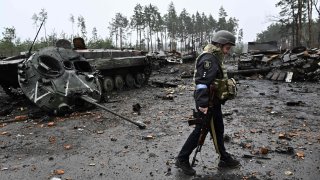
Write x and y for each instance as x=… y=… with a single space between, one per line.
x=117 y=69
x=266 y=58
x=62 y=79
x=54 y=78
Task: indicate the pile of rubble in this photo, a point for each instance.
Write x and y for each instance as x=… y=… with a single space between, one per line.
x=297 y=64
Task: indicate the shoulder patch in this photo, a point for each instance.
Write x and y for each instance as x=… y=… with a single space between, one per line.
x=207 y=64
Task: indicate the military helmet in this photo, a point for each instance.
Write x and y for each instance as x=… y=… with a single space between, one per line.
x=224 y=37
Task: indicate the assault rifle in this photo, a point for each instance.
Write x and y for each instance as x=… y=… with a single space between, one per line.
x=203 y=119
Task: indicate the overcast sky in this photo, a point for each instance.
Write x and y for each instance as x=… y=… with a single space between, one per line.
x=253 y=15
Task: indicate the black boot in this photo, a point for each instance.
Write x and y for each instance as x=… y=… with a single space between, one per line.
x=228 y=161
x=185 y=166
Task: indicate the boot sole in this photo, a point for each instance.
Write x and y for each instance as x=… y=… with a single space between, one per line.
x=184 y=171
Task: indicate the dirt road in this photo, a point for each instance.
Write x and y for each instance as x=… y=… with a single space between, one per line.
x=274 y=120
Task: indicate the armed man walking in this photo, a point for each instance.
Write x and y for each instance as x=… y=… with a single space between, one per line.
x=212 y=88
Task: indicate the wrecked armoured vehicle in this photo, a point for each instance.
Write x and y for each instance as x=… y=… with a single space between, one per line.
x=57 y=79
x=257 y=59
x=258 y=55
x=54 y=78
x=118 y=68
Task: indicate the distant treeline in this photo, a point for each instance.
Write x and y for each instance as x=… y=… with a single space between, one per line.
x=147 y=29
x=150 y=30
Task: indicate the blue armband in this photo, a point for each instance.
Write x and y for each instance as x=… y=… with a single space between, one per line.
x=201 y=86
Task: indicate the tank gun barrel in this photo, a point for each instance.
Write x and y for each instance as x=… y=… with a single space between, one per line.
x=248 y=71
x=92 y=101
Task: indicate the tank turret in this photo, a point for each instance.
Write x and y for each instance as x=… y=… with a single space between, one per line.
x=54 y=78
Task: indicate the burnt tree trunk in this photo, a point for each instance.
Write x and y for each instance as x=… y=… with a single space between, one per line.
x=299 y=23
x=309 y=6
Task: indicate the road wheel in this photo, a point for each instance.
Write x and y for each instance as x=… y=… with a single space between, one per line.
x=130 y=81
x=118 y=82
x=139 y=80
x=108 y=84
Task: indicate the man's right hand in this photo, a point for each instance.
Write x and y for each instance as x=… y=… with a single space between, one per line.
x=204 y=110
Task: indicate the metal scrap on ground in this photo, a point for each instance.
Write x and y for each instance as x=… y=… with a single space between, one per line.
x=297 y=64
